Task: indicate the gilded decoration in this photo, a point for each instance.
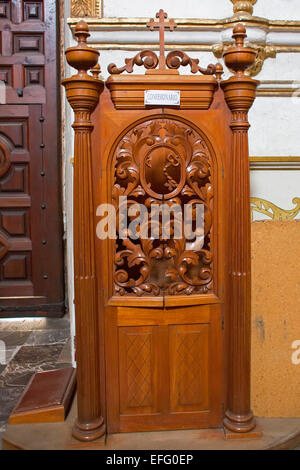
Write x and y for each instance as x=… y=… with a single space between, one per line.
x=272 y=211
x=243 y=6
x=83 y=8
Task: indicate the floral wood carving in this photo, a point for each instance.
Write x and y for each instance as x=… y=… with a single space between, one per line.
x=163 y=161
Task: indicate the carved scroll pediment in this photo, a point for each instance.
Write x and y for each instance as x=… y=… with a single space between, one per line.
x=162 y=64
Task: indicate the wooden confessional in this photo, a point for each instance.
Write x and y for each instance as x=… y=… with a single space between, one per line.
x=162 y=324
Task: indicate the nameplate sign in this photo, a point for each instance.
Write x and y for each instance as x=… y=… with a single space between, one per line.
x=162 y=97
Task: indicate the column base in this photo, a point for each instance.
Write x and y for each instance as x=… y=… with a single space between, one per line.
x=89 y=432
x=256 y=433
x=239 y=424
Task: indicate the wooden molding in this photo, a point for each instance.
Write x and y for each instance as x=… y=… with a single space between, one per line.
x=127 y=92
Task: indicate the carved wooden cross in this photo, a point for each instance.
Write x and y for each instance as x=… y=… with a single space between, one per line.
x=162 y=25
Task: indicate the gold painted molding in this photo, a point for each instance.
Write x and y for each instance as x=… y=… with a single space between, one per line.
x=272 y=211
x=275 y=163
x=283 y=88
x=190 y=24
x=86 y=8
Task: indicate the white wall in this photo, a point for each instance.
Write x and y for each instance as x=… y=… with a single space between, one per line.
x=278 y=9
x=174 y=8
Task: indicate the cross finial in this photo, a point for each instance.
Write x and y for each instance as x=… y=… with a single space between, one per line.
x=162 y=25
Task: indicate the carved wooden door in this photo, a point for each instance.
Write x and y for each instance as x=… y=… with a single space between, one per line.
x=31 y=281
x=162 y=308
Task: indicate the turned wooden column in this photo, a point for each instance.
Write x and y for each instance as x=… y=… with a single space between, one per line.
x=239 y=93
x=83 y=92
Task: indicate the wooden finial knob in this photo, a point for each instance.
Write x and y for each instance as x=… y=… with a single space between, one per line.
x=239 y=58
x=95 y=71
x=82 y=57
x=219 y=71
x=82 y=32
x=239 y=34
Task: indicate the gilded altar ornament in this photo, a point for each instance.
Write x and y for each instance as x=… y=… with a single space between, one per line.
x=86 y=8
x=274 y=212
x=243 y=6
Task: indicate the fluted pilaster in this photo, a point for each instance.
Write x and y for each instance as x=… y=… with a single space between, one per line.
x=83 y=93
x=239 y=93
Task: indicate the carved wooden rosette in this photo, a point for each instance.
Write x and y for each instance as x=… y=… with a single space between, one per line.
x=83 y=94
x=239 y=93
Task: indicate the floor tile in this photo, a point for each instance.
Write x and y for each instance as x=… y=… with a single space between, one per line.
x=35 y=355
x=27 y=361
x=30 y=324
x=66 y=353
x=40 y=337
x=8 y=399
x=14 y=338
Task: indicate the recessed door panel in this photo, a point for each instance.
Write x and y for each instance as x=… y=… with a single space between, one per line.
x=189 y=367
x=138 y=370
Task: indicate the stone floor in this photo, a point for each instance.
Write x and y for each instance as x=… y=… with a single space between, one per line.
x=31 y=345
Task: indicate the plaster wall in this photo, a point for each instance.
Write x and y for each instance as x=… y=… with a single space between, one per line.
x=275 y=388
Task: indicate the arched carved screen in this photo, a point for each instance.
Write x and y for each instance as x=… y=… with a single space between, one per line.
x=164 y=165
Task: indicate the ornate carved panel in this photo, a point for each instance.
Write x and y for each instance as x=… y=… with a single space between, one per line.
x=165 y=164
